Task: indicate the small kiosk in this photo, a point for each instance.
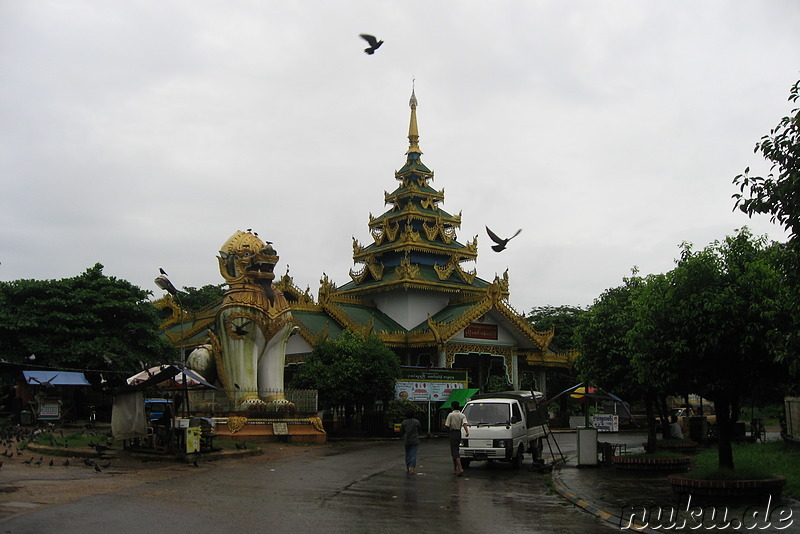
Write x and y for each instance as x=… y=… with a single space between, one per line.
x=45 y=394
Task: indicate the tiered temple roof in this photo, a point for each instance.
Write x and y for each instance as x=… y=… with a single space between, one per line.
x=414 y=242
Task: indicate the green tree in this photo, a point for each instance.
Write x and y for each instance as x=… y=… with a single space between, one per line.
x=90 y=321
x=193 y=299
x=711 y=325
x=350 y=370
x=605 y=357
x=565 y=320
x=778 y=194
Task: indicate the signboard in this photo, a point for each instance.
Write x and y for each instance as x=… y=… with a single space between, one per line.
x=49 y=410
x=414 y=374
x=606 y=422
x=280 y=429
x=481 y=331
x=425 y=391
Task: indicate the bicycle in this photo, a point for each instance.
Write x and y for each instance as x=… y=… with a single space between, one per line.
x=757 y=430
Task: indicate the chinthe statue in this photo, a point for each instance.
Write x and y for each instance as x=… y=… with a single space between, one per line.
x=252 y=326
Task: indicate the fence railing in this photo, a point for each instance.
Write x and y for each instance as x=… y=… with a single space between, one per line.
x=302 y=401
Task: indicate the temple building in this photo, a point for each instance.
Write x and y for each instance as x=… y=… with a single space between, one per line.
x=413 y=286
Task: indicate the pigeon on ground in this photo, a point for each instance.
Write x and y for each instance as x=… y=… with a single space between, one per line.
x=501 y=243
x=374 y=44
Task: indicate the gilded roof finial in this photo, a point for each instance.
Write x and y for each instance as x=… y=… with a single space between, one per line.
x=413 y=131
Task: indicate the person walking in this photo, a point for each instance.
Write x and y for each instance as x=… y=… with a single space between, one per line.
x=455 y=422
x=409 y=432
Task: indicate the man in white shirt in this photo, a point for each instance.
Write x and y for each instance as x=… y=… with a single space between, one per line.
x=455 y=422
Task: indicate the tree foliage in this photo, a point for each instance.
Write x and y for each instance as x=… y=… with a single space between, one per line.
x=777 y=194
x=564 y=319
x=193 y=299
x=90 y=321
x=350 y=370
x=710 y=326
x=605 y=358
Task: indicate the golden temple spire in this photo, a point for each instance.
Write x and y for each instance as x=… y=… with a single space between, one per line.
x=413 y=131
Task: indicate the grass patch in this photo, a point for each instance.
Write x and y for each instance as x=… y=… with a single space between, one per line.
x=753 y=461
x=71 y=439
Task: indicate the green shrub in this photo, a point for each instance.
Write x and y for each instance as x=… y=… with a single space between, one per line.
x=396 y=411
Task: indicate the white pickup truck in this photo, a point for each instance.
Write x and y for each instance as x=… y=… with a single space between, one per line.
x=503 y=426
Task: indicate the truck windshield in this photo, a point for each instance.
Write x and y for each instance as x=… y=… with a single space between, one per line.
x=486 y=413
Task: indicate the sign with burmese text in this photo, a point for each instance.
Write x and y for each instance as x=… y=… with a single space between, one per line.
x=481 y=331
x=428 y=384
x=433 y=391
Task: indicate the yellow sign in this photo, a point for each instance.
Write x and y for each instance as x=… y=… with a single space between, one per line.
x=192 y=439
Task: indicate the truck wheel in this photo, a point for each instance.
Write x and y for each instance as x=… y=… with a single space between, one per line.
x=536 y=449
x=517 y=461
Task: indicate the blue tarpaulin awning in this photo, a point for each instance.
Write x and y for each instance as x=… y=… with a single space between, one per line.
x=55 y=378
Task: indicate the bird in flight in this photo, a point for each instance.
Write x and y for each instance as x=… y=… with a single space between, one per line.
x=501 y=243
x=238 y=329
x=374 y=44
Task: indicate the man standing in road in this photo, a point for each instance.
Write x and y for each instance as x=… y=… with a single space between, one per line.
x=409 y=431
x=455 y=422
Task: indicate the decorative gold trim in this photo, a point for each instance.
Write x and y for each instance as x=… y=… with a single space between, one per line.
x=407 y=270
x=236 y=423
x=316 y=422
x=506 y=352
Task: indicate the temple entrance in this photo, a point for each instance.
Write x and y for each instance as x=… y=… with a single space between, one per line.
x=487 y=372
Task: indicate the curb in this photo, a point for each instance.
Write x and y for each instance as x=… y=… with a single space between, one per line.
x=152 y=457
x=615 y=520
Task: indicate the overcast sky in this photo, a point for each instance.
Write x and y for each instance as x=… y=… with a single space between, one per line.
x=142 y=134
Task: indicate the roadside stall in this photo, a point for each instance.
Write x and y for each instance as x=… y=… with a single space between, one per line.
x=48 y=395
x=588 y=425
x=169 y=433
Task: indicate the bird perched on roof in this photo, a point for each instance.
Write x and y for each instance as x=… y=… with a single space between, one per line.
x=501 y=243
x=162 y=271
x=374 y=44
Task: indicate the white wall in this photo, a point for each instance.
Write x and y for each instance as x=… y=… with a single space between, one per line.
x=410 y=308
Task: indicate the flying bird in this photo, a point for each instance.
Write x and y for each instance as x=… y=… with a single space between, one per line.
x=374 y=44
x=501 y=243
x=238 y=329
x=46 y=383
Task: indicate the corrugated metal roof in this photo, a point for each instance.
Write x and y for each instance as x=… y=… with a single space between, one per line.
x=55 y=378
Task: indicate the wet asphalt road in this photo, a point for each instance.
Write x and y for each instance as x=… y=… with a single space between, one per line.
x=353 y=488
